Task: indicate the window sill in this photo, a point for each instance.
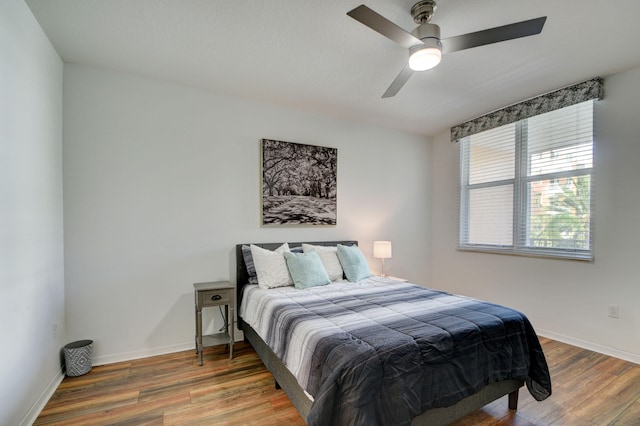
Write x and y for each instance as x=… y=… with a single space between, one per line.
x=545 y=254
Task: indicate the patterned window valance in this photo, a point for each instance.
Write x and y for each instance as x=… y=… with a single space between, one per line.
x=581 y=92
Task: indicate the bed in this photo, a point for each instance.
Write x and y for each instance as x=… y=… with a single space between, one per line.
x=409 y=382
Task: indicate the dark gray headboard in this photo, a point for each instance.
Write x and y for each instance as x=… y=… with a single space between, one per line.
x=242 y=276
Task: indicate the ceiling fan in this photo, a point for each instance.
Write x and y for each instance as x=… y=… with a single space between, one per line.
x=424 y=42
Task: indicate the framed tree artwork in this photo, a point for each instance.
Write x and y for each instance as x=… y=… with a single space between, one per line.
x=299 y=183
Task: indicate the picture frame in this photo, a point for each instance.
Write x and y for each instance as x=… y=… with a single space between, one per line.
x=298 y=184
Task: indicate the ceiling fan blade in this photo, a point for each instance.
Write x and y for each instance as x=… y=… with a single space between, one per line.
x=493 y=35
x=383 y=26
x=399 y=81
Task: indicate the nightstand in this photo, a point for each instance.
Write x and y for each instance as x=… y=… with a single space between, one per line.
x=216 y=293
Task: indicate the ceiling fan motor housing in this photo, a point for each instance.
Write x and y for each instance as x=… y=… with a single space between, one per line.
x=426 y=30
x=422 y=12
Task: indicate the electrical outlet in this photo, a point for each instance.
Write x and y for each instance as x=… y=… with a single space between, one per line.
x=614 y=311
x=55 y=331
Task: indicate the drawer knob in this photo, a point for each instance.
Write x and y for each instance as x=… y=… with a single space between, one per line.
x=216 y=297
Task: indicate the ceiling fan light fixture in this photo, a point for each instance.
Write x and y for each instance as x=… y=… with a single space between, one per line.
x=426 y=56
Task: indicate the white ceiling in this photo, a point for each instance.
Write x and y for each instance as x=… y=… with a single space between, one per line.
x=309 y=54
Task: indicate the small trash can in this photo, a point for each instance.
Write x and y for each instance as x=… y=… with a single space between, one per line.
x=77 y=357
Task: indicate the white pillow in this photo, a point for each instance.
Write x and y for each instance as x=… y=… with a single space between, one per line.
x=329 y=258
x=271 y=267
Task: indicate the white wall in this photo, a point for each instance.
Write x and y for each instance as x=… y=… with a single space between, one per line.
x=566 y=300
x=162 y=180
x=31 y=234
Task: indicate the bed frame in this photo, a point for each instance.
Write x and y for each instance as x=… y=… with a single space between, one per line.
x=286 y=380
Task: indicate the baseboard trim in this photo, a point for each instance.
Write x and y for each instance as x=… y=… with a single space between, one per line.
x=160 y=350
x=605 y=350
x=144 y=353
x=42 y=400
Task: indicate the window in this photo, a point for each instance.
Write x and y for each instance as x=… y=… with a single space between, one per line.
x=526 y=187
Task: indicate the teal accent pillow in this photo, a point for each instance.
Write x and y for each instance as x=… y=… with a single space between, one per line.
x=353 y=262
x=306 y=269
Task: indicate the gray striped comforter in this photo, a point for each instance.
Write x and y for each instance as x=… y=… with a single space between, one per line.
x=379 y=353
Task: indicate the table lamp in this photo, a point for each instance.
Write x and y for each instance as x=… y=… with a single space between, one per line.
x=382 y=250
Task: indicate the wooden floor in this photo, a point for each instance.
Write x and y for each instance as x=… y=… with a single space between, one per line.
x=588 y=389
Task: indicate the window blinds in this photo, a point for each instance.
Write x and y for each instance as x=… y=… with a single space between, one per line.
x=526 y=187
x=558 y=150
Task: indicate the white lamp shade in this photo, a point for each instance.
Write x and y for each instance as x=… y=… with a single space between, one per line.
x=382 y=249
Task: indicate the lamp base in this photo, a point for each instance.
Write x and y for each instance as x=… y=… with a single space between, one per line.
x=382 y=274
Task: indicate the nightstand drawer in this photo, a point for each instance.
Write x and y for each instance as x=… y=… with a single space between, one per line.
x=215 y=297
